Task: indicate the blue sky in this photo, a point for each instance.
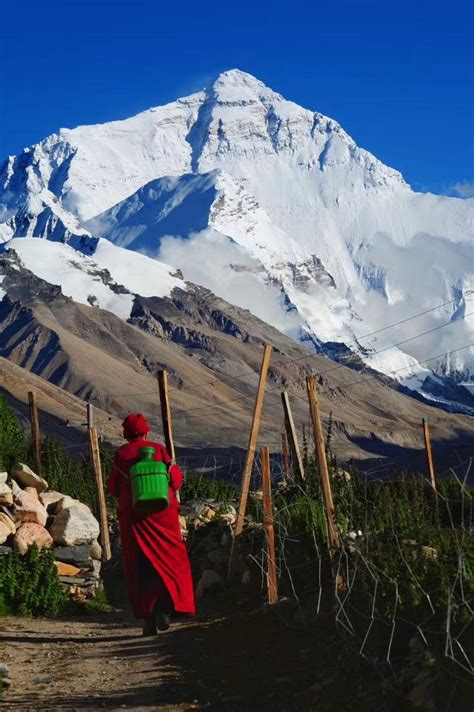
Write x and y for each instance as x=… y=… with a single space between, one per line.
x=397 y=75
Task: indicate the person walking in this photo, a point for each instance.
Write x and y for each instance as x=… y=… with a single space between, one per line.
x=155 y=560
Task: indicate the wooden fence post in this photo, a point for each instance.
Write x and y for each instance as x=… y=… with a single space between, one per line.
x=99 y=483
x=251 y=447
x=252 y=443
x=320 y=449
x=90 y=415
x=285 y=457
x=429 y=454
x=166 y=418
x=166 y=413
x=291 y=433
x=272 y=584
x=35 y=431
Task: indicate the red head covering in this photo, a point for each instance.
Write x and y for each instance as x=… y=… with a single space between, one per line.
x=135 y=425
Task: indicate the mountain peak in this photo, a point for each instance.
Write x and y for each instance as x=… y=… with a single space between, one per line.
x=235 y=84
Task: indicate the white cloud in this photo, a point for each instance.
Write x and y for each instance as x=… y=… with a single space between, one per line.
x=463 y=189
x=214 y=260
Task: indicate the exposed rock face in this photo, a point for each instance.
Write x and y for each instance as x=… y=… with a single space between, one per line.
x=30 y=534
x=26 y=477
x=73 y=526
x=28 y=508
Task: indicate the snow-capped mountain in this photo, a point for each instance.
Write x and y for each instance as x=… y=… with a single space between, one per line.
x=276 y=209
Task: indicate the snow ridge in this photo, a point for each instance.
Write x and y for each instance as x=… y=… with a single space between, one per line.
x=272 y=206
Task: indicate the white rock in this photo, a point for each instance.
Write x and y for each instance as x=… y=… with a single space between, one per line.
x=25 y=476
x=7 y=527
x=74 y=525
x=13 y=484
x=66 y=502
x=227 y=519
x=352 y=536
x=96 y=551
x=28 y=508
x=6 y=495
x=50 y=500
x=3 y=477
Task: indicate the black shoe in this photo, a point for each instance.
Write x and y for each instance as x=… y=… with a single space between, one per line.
x=162 y=620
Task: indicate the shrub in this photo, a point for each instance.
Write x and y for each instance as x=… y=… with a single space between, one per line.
x=29 y=584
x=12 y=438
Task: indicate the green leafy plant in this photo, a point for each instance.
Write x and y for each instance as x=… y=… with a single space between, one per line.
x=29 y=584
x=12 y=438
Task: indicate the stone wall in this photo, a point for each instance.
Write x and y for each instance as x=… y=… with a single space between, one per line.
x=30 y=514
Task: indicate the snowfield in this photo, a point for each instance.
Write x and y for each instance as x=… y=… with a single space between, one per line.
x=269 y=205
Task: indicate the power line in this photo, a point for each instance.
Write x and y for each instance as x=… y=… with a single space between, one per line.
x=311 y=354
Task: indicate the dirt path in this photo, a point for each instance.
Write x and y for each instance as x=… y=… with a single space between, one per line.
x=105 y=663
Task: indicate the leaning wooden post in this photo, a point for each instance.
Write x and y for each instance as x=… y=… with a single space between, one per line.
x=35 y=431
x=291 y=433
x=272 y=585
x=429 y=454
x=99 y=483
x=166 y=417
x=323 y=466
x=251 y=447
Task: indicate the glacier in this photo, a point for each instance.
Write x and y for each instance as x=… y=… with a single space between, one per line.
x=273 y=207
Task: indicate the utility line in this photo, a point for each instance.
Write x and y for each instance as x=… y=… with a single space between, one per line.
x=308 y=355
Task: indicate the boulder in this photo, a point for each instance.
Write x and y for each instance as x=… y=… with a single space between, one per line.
x=4 y=533
x=28 y=508
x=96 y=551
x=50 y=500
x=219 y=556
x=209 y=583
x=194 y=508
x=7 y=522
x=13 y=484
x=66 y=502
x=26 y=477
x=227 y=519
x=78 y=555
x=29 y=534
x=3 y=478
x=74 y=525
x=6 y=495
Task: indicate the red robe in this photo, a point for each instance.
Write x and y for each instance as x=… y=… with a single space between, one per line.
x=151 y=539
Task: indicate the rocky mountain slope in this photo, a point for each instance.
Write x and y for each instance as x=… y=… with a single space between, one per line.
x=276 y=209
x=212 y=351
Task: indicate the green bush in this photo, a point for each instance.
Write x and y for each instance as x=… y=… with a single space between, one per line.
x=201 y=487
x=29 y=584
x=12 y=438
